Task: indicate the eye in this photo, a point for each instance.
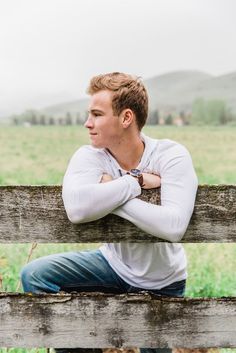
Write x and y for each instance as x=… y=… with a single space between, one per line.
x=95 y=114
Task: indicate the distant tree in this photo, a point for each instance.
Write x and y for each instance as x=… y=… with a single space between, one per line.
x=198 y=112
x=60 y=121
x=169 y=119
x=84 y=117
x=210 y=112
x=42 y=120
x=78 y=120
x=28 y=116
x=33 y=119
x=216 y=112
x=16 y=120
x=153 y=118
x=68 y=119
x=184 y=117
x=51 y=120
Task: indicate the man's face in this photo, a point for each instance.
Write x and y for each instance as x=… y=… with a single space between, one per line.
x=105 y=128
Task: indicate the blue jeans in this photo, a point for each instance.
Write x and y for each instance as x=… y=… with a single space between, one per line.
x=84 y=271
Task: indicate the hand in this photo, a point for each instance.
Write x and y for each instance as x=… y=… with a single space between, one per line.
x=106 y=178
x=151 y=181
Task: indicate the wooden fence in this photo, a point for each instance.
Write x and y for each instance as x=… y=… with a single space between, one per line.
x=36 y=213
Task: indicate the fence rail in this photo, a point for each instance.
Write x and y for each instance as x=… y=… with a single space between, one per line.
x=36 y=213
x=103 y=320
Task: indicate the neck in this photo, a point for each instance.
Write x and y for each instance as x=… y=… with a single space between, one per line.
x=128 y=152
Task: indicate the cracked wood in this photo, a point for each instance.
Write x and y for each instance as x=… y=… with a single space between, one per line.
x=36 y=213
x=126 y=320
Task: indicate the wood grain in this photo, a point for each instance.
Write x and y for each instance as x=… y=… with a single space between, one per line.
x=36 y=214
x=104 y=320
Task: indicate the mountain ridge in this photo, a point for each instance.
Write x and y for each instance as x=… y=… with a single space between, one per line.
x=170 y=91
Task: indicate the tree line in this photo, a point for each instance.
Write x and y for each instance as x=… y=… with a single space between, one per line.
x=202 y=112
x=32 y=117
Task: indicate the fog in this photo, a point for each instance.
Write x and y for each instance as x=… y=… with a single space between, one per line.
x=50 y=49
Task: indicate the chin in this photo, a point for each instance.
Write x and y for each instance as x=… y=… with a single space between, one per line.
x=99 y=144
x=96 y=145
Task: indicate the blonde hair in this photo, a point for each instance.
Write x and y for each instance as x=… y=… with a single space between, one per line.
x=129 y=93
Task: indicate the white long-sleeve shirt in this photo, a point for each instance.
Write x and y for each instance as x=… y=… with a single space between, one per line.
x=148 y=266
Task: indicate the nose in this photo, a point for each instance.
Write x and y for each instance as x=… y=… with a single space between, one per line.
x=89 y=122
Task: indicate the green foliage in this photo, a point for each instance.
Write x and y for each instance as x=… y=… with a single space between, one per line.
x=211 y=270
x=169 y=119
x=210 y=112
x=153 y=118
x=13 y=257
x=32 y=117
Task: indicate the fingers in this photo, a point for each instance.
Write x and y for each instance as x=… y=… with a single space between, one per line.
x=106 y=178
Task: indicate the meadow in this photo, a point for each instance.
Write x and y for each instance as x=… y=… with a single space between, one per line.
x=39 y=156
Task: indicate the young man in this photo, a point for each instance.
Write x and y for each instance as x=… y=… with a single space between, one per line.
x=106 y=177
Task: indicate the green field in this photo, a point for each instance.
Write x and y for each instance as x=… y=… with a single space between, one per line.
x=39 y=155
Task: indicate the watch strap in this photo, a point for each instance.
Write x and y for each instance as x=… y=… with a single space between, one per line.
x=138 y=177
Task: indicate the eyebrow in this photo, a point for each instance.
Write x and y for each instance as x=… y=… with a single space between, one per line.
x=95 y=111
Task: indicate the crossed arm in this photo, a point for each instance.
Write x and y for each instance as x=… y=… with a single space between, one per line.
x=150 y=181
x=89 y=193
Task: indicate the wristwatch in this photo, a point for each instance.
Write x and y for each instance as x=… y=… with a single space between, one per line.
x=136 y=173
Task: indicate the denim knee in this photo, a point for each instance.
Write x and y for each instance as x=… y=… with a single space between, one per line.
x=26 y=276
x=34 y=278
x=29 y=278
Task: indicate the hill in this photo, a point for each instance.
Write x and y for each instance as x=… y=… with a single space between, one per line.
x=221 y=87
x=171 y=91
x=79 y=106
x=174 y=91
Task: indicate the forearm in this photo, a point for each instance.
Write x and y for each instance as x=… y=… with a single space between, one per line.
x=88 y=202
x=170 y=220
x=164 y=222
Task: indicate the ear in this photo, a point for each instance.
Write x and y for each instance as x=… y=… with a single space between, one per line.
x=127 y=117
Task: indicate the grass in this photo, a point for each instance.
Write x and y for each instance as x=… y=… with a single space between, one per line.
x=39 y=155
x=211 y=267
x=212 y=150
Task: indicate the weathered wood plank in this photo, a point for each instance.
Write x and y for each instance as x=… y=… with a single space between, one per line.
x=103 y=320
x=36 y=213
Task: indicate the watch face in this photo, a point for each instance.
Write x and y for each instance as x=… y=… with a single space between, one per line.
x=135 y=172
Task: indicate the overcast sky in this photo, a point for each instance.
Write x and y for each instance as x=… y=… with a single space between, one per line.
x=49 y=49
